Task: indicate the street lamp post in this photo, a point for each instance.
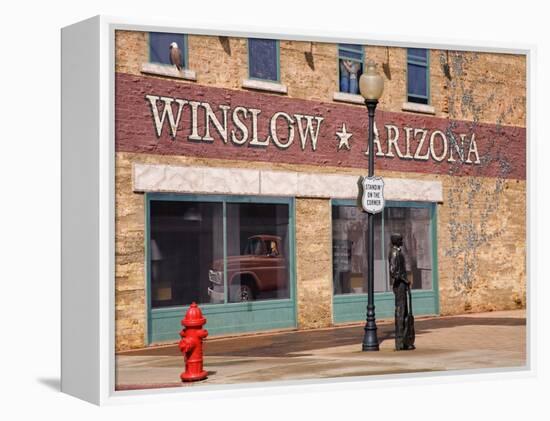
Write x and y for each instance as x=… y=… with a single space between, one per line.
x=371 y=86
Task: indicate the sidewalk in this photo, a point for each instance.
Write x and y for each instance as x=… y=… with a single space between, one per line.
x=483 y=340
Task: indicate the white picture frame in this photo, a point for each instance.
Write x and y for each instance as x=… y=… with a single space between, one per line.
x=88 y=356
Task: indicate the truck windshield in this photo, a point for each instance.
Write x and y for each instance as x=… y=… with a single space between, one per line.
x=253 y=246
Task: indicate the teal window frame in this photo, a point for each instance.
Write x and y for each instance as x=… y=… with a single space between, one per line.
x=278 y=57
x=229 y=307
x=342 y=47
x=426 y=65
x=184 y=50
x=426 y=300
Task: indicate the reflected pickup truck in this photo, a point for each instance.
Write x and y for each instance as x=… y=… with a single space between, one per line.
x=260 y=271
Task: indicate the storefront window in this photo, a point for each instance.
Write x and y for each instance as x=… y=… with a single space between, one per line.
x=186 y=241
x=257 y=252
x=186 y=252
x=414 y=225
x=349 y=245
x=349 y=248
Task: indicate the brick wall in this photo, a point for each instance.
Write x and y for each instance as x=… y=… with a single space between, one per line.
x=130 y=261
x=317 y=81
x=314 y=263
x=214 y=65
x=483 y=87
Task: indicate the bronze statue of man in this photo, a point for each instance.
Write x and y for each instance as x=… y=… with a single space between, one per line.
x=404 y=321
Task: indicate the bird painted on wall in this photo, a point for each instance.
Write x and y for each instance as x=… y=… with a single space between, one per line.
x=175 y=55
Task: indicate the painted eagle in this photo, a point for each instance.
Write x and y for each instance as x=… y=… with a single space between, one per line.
x=175 y=55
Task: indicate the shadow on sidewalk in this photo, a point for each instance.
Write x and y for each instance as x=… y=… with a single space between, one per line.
x=290 y=343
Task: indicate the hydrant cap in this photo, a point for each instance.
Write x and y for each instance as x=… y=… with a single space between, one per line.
x=193 y=317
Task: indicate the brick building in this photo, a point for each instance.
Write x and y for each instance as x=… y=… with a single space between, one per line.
x=236 y=182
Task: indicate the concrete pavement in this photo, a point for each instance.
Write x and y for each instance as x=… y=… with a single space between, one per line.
x=471 y=341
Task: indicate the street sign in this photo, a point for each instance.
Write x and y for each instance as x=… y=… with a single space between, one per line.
x=372 y=199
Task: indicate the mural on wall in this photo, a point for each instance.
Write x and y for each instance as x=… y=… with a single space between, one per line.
x=472 y=203
x=194 y=120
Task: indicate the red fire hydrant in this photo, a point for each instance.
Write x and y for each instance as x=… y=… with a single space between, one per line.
x=192 y=336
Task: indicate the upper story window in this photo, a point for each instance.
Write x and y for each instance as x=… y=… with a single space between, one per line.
x=263 y=59
x=418 y=75
x=165 y=48
x=350 y=65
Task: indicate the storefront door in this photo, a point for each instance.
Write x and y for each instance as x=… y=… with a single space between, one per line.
x=416 y=221
x=232 y=255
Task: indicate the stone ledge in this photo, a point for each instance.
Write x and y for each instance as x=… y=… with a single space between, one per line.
x=278 y=183
x=239 y=181
x=176 y=179
x=159 y=69
x=418 y=108
x=351 y=98
x=264 y=85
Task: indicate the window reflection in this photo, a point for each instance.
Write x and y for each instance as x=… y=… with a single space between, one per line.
x=257 y=250
x=186 y=251
x=414 y=225
x=186 y=237
x=349 y=245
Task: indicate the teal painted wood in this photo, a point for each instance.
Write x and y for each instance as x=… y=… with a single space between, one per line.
x=149 y=329
x=388 y=203
x=164 y=324
x=217 y=198
x=278 y=44
x=352 y=307
x=292 y=253
x=435 y=259
x=226 y=318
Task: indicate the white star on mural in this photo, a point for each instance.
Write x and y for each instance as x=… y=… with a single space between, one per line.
x=344 y=138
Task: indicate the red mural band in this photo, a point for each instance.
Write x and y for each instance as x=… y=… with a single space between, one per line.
x=162 y=117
